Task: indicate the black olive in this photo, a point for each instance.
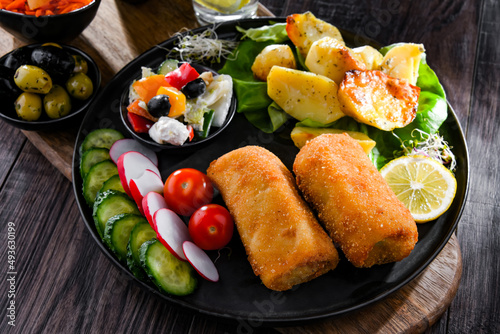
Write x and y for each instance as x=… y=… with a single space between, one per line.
x=56 y=61
x=194 y=88
x=18 y=57
x=8 y=88
x=159 y=105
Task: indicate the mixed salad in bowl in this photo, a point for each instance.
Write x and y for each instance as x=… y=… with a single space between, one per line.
x=178 y=103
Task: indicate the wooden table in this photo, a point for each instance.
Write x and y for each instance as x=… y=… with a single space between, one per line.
x=64 y=284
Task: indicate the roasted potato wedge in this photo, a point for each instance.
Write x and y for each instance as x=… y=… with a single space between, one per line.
x=370 y=56
x=301 y=135
x=403 y=61
x=305 y=29
x=304 y=94
x=376 y=99
x=332 y=59
x=271 y=55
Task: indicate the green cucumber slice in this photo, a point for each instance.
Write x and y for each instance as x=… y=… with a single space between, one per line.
x=167 y=272
x=168 y=66
x=111 y=203
x=207 y=124
x=92 y=157
x=103 y=138
x=117 y=232
x=95 y=178
x=141 y=233
x=113 y=183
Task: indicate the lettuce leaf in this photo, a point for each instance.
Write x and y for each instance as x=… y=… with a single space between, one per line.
x=240 y=66
x=432 y=112
x=267 y=119
x=251 y=95
x=428 y=80
x=275 y=33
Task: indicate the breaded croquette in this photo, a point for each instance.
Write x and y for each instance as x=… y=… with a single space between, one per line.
x=353 y=201
x=284 y=242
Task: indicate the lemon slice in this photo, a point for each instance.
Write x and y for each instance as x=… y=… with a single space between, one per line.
x=224 y=6
x=425 y=186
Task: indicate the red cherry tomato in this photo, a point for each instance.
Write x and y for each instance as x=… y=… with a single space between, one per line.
x=211 y=227
x=186 y=190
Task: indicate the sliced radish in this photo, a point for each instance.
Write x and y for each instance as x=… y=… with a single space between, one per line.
x=147 y=182
x=200 y=261
x=151 y=203
x=127 y=145
x=172 y=232
x=132 y=165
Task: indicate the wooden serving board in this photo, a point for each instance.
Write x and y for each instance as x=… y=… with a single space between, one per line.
x=113 y=40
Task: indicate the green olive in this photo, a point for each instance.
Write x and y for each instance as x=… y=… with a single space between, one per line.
x=33 y=79
x=79 y=86
x=57 y=102
x=80 y=64
x=28 y=106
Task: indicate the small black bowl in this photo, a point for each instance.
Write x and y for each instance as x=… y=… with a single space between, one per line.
x=79 y=108
x=51 y=28
x=145 y=139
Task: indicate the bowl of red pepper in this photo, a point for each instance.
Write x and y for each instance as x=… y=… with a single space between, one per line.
x=47 y=20
x=180 y=106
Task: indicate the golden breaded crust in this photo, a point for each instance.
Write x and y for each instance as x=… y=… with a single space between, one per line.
x=283 y=240
x=357 y=207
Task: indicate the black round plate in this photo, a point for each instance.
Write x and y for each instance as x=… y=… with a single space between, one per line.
x=240 y=295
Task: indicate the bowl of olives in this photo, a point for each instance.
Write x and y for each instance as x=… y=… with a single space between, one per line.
x=178 y=106
x=58 y=26
x=47 y=86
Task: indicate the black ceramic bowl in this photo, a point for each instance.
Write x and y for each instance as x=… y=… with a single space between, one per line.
x=145 y=139
x=78 y=109
x=53 y=28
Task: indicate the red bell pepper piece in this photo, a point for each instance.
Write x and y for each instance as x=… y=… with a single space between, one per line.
x=191 y=132
x=139 y=123
x=180 y=77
